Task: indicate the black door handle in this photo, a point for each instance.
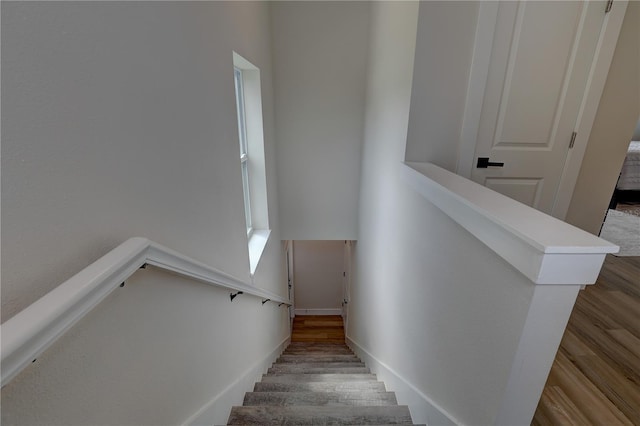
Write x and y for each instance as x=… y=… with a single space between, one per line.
x=483 y=163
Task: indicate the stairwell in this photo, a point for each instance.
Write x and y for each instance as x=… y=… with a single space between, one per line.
x=319 y=383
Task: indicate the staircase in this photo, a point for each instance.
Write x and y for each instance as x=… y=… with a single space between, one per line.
x=319 y=383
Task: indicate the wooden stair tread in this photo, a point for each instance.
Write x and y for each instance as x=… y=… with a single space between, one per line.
x=303 y=358
x=318 y=351
x=328 y=364
x=348 y=386
x=319 y=382
x=294 y=369
x=314 y=415
x=367 y=398
x=327 y=377
x=317 y=343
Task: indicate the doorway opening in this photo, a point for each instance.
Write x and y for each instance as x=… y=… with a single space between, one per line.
x=321 y=271
x=622 y=221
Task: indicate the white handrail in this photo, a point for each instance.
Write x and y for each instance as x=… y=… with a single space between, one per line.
x=33 y=330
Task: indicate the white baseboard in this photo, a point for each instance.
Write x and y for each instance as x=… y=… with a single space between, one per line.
x=216 y=411
x=423 y=409
x=336 y=311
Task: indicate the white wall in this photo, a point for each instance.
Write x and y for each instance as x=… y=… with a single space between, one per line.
x=617 y=114
x=318 y=268
x=119 y=121
x=438 y=96
x=417 y=310
x=320 y=67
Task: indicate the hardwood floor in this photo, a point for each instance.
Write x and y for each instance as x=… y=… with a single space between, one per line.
x=318 y=328
x=595 y=378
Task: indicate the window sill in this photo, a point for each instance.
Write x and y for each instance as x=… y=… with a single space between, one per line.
x=257 y=243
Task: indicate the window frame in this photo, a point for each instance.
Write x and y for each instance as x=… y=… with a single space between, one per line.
x=252 y=157
x=244 y=147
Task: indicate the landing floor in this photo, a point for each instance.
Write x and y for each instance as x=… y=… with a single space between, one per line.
x=318 y=328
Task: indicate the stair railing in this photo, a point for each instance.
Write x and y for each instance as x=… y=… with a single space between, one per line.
x=33 y=330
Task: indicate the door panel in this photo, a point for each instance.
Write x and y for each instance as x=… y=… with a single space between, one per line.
x=541 y=60
x=536 y=72
x=527 y=191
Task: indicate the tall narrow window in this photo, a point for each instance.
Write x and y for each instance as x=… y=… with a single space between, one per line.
x=251 y=138
x=244 y=151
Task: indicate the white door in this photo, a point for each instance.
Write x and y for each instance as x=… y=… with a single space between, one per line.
x=538 y=73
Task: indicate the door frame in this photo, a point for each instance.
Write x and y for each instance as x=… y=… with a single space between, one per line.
x=290 y=281
x=346 y=281
x=485 y=28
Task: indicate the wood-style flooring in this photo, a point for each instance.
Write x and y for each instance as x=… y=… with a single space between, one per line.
x=318 y=328
x=595 y=378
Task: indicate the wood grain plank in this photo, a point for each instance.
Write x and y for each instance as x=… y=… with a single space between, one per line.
x=592 y=403
x=606 y=346
x=615 y=307
x=558 y=409
x=626 y=339
x=318 y=328
x=573 y=345
x=540 y=418
x=614 y=385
